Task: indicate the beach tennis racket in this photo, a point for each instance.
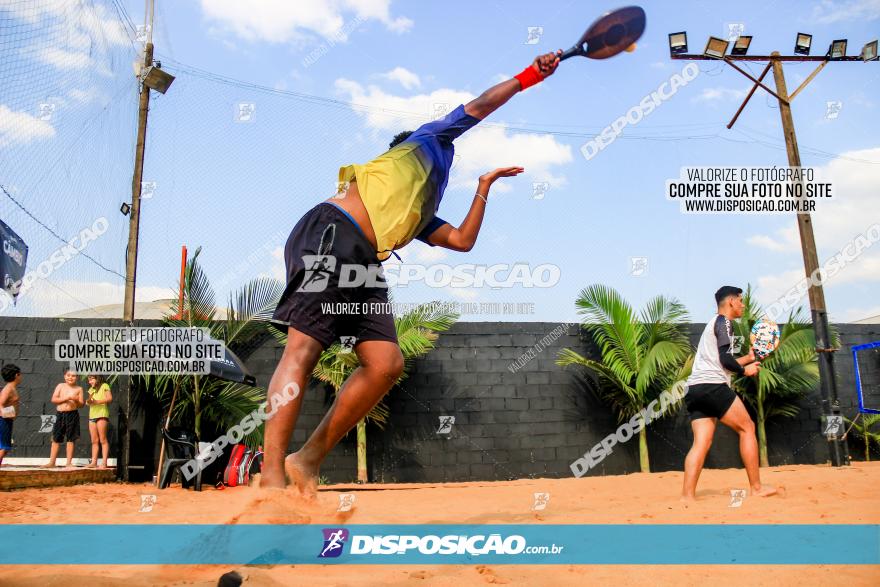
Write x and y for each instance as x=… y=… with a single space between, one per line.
x=612 y=33
x=765 y=338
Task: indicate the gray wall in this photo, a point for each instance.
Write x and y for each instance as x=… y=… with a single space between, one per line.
x=531 y=423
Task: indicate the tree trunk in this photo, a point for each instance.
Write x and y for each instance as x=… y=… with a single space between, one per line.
x=196 y=408
x=867 y=446
x=644 y=461
x=362 y=451
x=762 y=435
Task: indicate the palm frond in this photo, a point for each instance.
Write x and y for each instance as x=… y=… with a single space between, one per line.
x=613 y=325
x=250 y=306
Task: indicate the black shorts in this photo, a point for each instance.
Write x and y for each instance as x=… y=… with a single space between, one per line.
x=66 y=427
x=708 y=400
x=323 y=243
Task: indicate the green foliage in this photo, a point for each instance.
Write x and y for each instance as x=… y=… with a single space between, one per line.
x=789 y=372
x=786 y=375
x=204 y=402
x=642 y=354
x=866 y=427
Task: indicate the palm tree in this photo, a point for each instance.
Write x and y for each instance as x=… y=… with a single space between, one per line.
x=641 y=355
x=416 y=333
x=786 y=375
x=863 y=430
x=202 y=400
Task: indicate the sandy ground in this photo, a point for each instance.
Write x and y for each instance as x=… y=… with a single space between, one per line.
x=814 y=495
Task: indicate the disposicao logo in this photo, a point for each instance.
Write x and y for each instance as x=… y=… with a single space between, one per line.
x=334 y=540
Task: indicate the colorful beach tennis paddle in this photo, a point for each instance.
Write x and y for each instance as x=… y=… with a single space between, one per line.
x=765 y=338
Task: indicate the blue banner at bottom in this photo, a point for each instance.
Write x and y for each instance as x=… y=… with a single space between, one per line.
x=94 y=544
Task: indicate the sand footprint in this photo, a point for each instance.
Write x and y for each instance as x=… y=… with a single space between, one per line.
x=489 y=575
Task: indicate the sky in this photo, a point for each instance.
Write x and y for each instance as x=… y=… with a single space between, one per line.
x=329 y=83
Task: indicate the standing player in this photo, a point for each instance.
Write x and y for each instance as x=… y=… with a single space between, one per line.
x=9 y=402
x=381 y=206
x=709 y=396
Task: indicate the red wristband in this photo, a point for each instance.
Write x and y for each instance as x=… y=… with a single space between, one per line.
x=529 y=77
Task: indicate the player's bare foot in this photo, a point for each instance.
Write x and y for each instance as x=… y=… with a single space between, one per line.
x=302 y=475
x=270 y=478
x=766 y=491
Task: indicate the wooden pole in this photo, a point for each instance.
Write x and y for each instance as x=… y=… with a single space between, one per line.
x=133 y=228
x=182 y=282
x=828 y=380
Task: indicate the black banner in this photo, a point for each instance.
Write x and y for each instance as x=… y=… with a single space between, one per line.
x=13 y=260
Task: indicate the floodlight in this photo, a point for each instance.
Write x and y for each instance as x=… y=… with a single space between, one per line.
x=678 y=43
x=716 y=47
x=158 y=80
x=837 y=49
x=741 y=45
x=802 y=45
x=869 y=51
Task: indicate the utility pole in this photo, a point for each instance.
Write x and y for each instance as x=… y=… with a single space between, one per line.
x=716 y=50
x=830 y=401
x=133 y=229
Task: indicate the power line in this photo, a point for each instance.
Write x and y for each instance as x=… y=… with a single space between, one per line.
x=221 y=79
x=56 y=235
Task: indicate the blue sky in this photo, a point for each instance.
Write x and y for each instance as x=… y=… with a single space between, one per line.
x=237 y=188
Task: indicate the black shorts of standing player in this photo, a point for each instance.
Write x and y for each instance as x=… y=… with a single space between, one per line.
x=321 y=244
x=66 y=427
x=709 y=400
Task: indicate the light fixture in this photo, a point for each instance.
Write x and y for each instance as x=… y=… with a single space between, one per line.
x=678 y=43
x=741 y=45
x=156 y=79
x=869 y=51
x=125 y=208
x=837 y=49
x=802 y=45
x=716 y=47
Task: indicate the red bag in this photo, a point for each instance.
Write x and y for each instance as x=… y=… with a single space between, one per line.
x=231 y=475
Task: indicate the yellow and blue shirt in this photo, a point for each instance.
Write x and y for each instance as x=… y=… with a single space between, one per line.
x=402 y=188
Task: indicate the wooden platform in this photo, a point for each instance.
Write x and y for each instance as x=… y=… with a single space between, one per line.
x=13 y=477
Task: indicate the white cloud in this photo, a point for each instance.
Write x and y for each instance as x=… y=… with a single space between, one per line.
x=853 y=314
x=285 y=21
x=479 y=150
x=427 y=253
x=403 y=76
x=486 y=147
x=387 y=112
x=853 y=208
x=828 y=11
x=64 y=59
x=719 y=94
x=21 y=127
x=87 y=95
x=85 y=32
x=788 y=240
x=276 y=268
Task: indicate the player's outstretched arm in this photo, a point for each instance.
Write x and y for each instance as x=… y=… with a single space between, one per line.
x=464 y=237
x=489 y=101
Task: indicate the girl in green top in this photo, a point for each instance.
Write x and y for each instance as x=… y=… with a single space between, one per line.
x=99 y=417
